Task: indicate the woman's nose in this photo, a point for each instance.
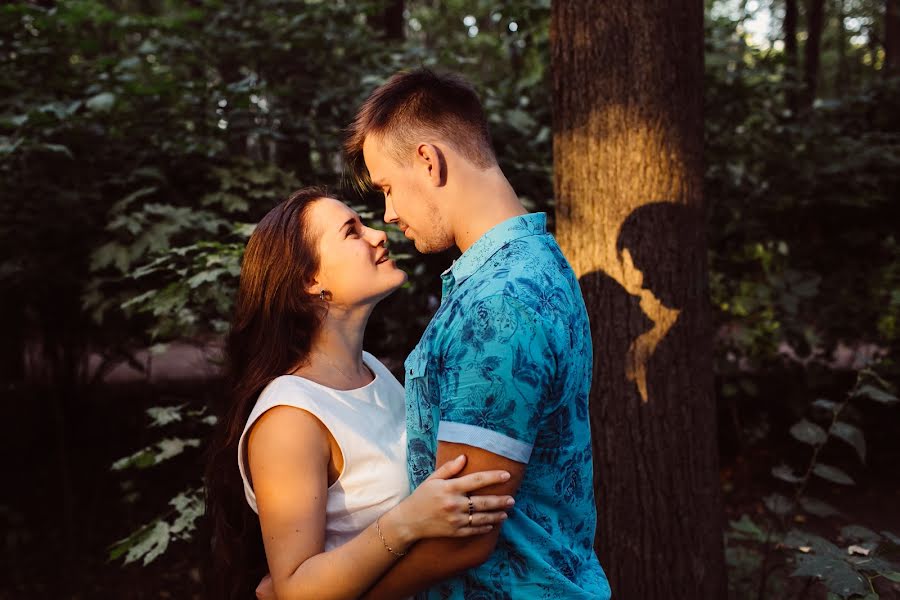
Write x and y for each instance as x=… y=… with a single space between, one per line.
x=377 y=237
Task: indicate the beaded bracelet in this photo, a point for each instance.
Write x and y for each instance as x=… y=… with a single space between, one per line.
x=381 y=535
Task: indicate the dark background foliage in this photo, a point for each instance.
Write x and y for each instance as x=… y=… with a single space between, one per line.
x=141 y=139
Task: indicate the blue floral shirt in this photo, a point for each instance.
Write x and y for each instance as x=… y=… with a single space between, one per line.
x=505 y=365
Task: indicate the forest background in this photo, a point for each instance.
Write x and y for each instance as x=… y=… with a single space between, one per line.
x=141 y=139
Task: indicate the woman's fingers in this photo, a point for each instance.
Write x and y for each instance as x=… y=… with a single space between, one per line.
x=481 y=523
x=470 y=531
x=474 y=481
x=449 y=468
x=488 y=518
x=489 y=503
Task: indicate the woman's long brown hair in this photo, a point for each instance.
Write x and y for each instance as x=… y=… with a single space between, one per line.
x=272 y=329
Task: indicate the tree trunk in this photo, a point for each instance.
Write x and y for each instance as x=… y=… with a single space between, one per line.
x=12 y=350
x=815 y=24
x=390 y=21
x=790 y=52
x=843 y=73
x=891 y=38
x=628 y=145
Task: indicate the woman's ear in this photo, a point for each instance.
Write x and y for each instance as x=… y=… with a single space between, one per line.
x=313 y=287
x=430 y=158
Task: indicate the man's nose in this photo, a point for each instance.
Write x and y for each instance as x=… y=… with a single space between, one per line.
x=389 y=215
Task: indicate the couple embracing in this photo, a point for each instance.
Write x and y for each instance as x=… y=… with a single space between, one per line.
x=473 y=482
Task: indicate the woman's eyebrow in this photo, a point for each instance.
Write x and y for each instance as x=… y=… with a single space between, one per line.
x=349 y=222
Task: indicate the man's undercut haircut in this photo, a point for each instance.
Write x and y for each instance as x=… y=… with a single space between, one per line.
x=416 y=106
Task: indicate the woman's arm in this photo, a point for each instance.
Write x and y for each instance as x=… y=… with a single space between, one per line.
x=289 y=454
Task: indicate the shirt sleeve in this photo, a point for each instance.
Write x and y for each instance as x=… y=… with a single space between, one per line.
x=494 y=378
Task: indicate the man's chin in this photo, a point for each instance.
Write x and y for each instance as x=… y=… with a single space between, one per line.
x=424 y=247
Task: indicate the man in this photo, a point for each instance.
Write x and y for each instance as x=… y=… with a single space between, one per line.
x=502 y=373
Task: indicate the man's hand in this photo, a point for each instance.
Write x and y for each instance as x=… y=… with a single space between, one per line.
x=266 y=589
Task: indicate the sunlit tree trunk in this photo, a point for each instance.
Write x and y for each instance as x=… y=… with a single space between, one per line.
x=813 y=50
x=628 y=145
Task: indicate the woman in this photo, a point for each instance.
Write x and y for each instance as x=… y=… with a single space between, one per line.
x=317 y=424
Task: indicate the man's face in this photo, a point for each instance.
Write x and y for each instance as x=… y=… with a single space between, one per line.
x=409 y=200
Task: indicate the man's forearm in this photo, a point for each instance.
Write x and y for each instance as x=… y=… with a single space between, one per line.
x=430 y=562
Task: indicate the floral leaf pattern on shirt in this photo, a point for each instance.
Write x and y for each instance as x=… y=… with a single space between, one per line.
x=508 y=356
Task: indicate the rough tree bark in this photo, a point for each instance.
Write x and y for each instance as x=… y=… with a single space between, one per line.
x=815 y=25
x=891 y=38
x=843 y=72
x=390 y=21
x=628 y=145
x=790 y=52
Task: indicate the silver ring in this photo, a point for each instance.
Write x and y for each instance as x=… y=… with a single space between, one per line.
x=470 y=519
x=471 y=507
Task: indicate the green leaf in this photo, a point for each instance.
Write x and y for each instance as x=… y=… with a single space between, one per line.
x=818 y=507
x=124 y=202
x=891 y=537
x=102 y=102
x=57 y=148
x=148 y=542
x=778 y=504
x=809 y=433
x=202 y=277
x=855 y=533
x=189 y=506
x=8 y=145
x=837 y=574
x=852 y=435
x=163 y=415
x=832 y=474
x=785 y=473
x=826 y=404
x=149 y=456
x=747 y=529
x=876 y=394
x=520 y=120
x=150 y=546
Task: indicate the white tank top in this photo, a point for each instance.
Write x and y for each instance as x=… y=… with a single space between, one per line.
x=369 y=425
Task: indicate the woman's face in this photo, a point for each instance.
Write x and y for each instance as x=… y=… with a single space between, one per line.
x=354 y=267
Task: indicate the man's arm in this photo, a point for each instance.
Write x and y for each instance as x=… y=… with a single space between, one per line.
x=434 y=560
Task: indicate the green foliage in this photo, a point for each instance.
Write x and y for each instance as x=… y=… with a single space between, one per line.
x=139 y=142
x=152 y=540
x=181 y=124
x=845 y=571
x=803 y=250
x=179 y=522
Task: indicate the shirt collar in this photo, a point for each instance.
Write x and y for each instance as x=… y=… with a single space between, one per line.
x=487 y=245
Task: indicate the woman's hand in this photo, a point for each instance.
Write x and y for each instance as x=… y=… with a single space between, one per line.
x=442 y=507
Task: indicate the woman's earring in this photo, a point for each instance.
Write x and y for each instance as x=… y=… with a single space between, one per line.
x=322 y=295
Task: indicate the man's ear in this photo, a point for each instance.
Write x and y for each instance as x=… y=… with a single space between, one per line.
x=430 y=158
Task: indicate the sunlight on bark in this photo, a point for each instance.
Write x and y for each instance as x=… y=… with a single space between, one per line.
x=647 y=145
